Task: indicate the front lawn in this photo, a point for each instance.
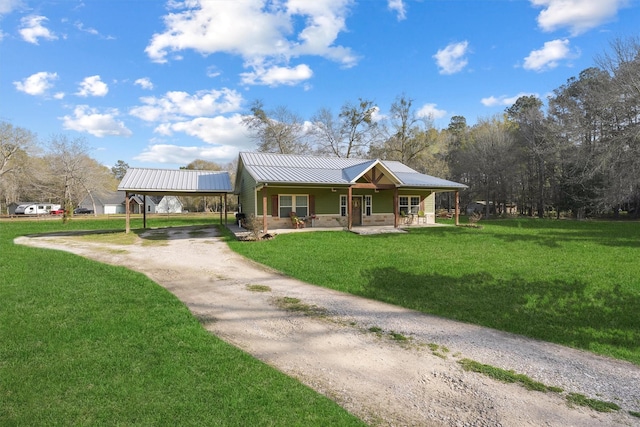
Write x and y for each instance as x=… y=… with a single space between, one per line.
x=84 y=343
x=573 y=283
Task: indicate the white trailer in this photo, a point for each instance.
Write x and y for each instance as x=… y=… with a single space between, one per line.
x=36 y=209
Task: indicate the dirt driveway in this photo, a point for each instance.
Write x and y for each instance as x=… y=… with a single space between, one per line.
x=354 y=350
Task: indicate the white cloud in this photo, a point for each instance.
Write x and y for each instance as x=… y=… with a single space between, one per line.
x=86 y=119
x=176 y=154
x=578 y=15
x=217 y=130
x=36 y=84
x=179 y=105
x=80 y=26
x=92 y=86
x=226 y=137
x=548 y=57
x=504 y=100
x=260 y=34
x=213 y=71
x=276 y=76
x=32 y=29
x=399 y=7
x=430 y=111
x=144 y=83
x=8 y=6
x=452 y=58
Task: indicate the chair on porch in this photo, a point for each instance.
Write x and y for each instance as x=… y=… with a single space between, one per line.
x=422 y=217
x=296 y=222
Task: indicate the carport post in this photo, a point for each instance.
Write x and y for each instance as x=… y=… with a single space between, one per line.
x=225 y=209
x=127 y=227
x=144 y=211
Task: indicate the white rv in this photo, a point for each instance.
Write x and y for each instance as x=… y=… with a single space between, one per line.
x=36 y=209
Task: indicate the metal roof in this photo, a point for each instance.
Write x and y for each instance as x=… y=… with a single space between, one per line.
x=295 y=169
x=166 y=181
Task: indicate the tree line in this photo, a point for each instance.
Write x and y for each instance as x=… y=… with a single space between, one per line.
x=577 y=154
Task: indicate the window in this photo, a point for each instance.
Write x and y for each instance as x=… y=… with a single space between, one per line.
x=343 y=205
x=294 y=203
x=367 y=205
x=409 y=204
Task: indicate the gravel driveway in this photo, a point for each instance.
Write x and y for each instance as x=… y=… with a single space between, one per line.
x=387 y=365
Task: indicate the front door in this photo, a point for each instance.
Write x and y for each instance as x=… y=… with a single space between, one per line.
x=356 y=210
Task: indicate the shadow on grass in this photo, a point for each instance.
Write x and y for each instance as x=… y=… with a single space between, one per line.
x=606 y=321
x=550 y=232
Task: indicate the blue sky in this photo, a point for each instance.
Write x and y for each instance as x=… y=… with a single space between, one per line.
x=159 y=84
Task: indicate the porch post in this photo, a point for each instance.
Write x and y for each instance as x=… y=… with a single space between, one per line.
x=349 y=209
x=395 y=207
x=264 y=209
x=127 y=227
x=457 y=207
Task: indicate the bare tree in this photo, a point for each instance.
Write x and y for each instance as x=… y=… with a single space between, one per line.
x=407 y=135
x=278 y=131
x=16 y=146
x=72 y=174
x=351 y=134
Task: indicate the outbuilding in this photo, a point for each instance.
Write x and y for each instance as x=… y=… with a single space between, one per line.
x=169 y=182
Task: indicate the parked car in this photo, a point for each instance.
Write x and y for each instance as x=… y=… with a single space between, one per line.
x=56 y=211
x=82 y=211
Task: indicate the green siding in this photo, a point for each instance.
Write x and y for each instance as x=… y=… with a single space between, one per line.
x=247 y=196
x=327 y=202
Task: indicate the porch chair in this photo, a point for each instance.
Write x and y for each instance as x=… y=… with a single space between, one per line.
x=296 y=222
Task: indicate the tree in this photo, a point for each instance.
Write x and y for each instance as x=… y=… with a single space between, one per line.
x=16 y=145
x=351 y=134
x=203 y=165
x=407 y=134
x=579 y=120
x=531 y=133
x=278 y=131
x=119 y=169
x=622 y=63
x=72 y=174
x=200 y=203
x=13 y=141
x=488 y=158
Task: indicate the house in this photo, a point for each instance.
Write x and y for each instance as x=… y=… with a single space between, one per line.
x=114 y=203
x=329 y=192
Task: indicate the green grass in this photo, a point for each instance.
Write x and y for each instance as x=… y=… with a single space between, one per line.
x=85 y=343
x=569 y=282
x=506 y=376
x=595 y=404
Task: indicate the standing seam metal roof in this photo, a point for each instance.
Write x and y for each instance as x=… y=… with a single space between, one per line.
x=169 y=180
x=295 y=169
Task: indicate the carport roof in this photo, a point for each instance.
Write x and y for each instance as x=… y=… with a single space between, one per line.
x=176 y=182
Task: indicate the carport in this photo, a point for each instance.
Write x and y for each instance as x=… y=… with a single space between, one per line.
x=172 y=182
